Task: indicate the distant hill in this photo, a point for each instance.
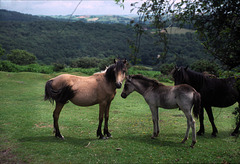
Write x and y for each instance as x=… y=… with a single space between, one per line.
x=57 y=40
x=6 y=15
x=108 y=19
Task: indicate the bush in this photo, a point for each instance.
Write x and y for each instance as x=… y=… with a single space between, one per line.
x=21 y=57
x=8 y=66
x=85 y=62
x=165 y=68
x=58 y=67
x=205 y=65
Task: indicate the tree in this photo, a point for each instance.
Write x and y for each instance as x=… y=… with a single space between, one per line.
x=216 y=22
x=21 y=57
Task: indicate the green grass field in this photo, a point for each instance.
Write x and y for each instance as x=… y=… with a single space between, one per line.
x=26 y=130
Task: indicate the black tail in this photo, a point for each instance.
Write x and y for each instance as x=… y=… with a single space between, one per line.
x=62 y=95
x=197 y=104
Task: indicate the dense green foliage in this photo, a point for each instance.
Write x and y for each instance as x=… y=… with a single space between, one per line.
x=54 y=41
x=2 y=51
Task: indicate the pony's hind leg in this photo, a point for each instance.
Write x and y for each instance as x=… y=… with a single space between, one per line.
x=190 y=123
x=201 y=119
x=193 y=126
x=56 y=114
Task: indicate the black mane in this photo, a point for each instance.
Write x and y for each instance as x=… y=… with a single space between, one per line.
x=110 y=72
x=187 y=76
x=197 y=79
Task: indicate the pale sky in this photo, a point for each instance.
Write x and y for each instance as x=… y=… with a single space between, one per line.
x=66 y=7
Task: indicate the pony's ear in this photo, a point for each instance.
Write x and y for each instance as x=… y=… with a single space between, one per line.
x=129 y=78
x=125 y=61
x=186 y=68
x=174 y=69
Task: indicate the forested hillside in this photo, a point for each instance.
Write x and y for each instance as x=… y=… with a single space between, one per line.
x=54 y=41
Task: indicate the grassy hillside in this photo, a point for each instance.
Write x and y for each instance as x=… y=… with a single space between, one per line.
x=26 y=130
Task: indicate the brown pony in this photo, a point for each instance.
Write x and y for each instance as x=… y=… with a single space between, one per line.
x=99 y=88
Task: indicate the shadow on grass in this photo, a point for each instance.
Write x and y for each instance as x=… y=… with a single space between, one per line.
x=160 y=140
x=52 y=139
x=174 y=139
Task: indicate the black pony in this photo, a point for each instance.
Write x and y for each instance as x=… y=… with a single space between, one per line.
x=214 y=92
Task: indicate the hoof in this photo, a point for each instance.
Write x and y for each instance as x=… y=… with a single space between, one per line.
x=214 y=135
x=109 y=135
x=102 y=138
x=60 y=137
x=193 y=143
x=184 y=140
x=234 y=134
x=153 y=137
x=200 y=133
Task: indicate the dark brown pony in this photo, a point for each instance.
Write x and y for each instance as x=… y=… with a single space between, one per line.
x=99 y=88
x=214 y=92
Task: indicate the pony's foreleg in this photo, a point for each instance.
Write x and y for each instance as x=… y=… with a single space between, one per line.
x=155 y=120
x=56 y=114
x=106 y=132
x=211 y=119
x=201 y=118
x=102 y=108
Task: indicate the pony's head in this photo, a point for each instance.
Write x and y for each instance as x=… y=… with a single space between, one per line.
x=180 y=75
x=116 y=72
x=128 y=87
x=120 y=72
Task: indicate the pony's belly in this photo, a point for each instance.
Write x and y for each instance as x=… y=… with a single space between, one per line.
x=83 y=103
x=221 y=102
x=84 y=100
x=169 y=106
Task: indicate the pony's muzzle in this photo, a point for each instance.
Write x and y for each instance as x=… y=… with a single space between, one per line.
x=118 y=84
x=123 y=95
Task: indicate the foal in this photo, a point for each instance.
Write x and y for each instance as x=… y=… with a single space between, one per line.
x=99 y=88
x=168 y=97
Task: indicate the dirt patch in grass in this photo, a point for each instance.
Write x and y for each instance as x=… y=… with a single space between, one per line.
x=7 y=157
